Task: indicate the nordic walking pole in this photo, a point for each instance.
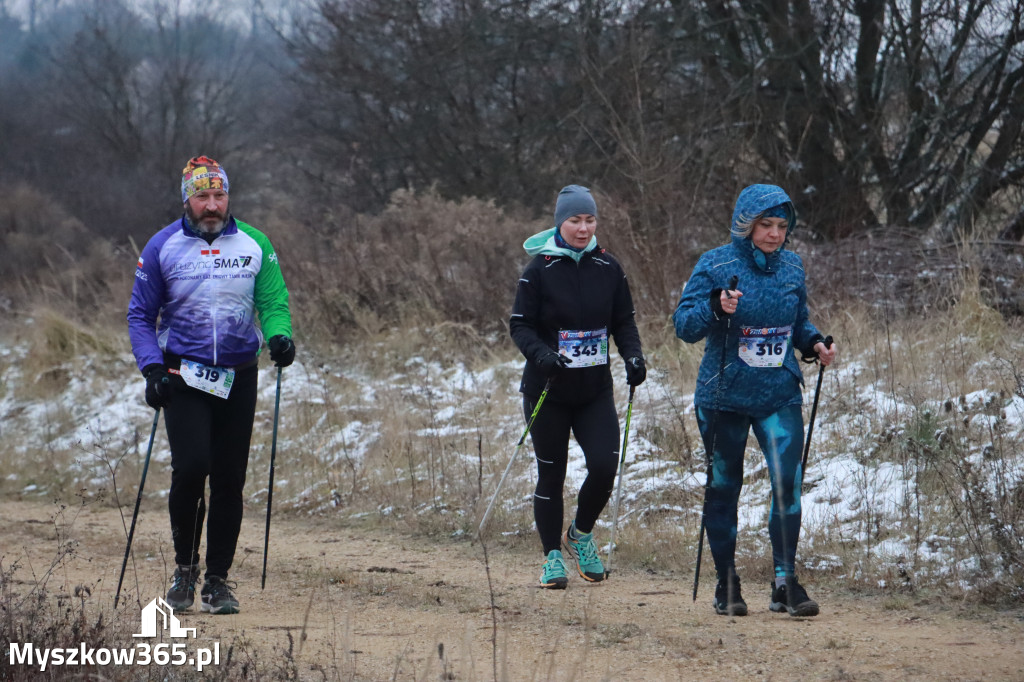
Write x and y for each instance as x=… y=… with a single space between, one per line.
x=618 y=487
x=709 y=457
x=814 y=411
x=519 y=445
x=138 y=501
x=270 y=486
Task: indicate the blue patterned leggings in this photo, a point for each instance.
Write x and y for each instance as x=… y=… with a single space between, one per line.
x=781 y=437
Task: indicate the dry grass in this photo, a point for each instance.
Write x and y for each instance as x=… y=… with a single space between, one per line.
x=38 y=607
x=392 y=432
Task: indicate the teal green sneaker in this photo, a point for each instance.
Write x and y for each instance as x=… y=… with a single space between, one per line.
x=553 y=574
x=584 y=552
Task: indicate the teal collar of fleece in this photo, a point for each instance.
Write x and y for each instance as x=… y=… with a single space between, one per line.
x=543 y=244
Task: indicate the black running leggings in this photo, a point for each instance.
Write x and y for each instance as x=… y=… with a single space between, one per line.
x=209 y=437
x=596 y=428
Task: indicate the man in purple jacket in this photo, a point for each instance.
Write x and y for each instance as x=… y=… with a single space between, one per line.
x=199 y=284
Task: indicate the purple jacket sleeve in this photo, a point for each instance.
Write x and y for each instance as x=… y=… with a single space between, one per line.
x=146 y=302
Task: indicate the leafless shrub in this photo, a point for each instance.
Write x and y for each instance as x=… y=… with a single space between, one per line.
x=423 y=260
x=51 y=261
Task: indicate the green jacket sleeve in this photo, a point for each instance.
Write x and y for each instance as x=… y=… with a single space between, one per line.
x=270 y=295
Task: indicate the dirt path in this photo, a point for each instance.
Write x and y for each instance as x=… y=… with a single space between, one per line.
x=377 y=607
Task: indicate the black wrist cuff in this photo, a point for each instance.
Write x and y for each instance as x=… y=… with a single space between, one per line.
x=150 y=368
x=716 y=303
x=810 y=355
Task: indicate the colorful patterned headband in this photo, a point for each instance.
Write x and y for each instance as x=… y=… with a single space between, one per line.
x=201 y=173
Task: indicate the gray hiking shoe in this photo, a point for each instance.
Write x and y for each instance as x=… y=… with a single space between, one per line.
x=182 y=594
x=217 y=596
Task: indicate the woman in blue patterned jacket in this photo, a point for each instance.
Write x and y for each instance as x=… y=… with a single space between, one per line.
x=749 y=378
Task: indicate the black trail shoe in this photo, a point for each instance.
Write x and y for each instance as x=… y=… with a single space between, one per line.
x=217 y=596
x=792 y=597
x=182 y=594
x=728 y=600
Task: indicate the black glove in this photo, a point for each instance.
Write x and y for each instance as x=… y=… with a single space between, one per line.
x=158 y=385
x=551 y=363
x=282 y=350
x=636 y=371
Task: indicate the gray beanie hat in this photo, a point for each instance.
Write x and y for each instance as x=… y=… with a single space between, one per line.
x=574 y=200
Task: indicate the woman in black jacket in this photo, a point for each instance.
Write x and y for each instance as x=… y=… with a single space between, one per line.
x=572 y=296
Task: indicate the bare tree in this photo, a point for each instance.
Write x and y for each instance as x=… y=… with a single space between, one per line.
x=122 y=95
x=873 y=111
x=473 y=97
x=869 y=111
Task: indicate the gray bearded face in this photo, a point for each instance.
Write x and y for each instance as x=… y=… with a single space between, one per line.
x=209 y=222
